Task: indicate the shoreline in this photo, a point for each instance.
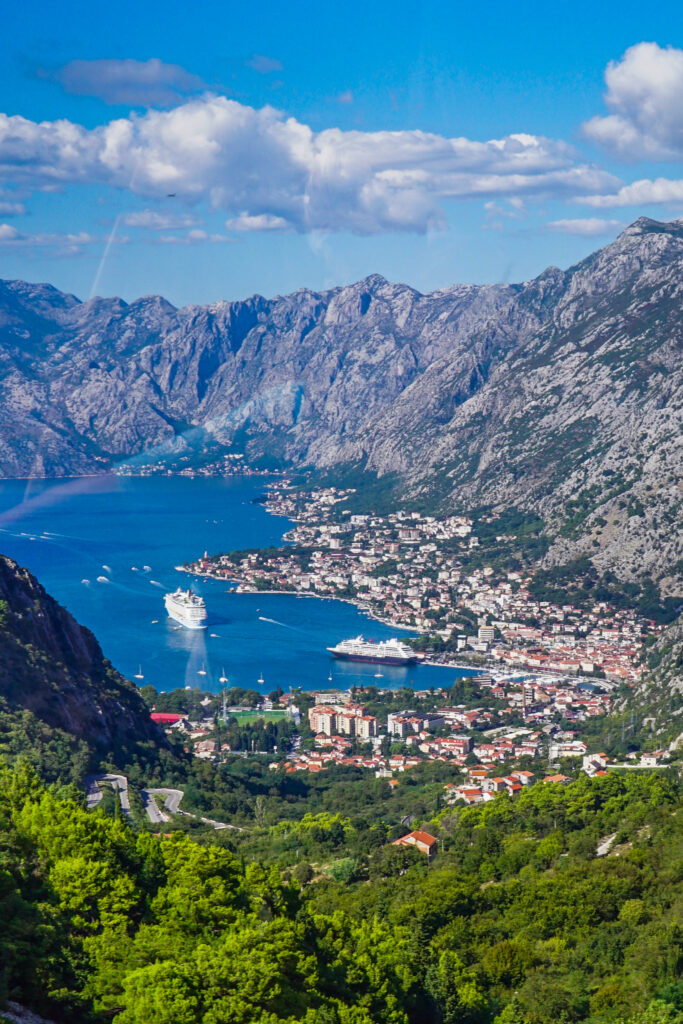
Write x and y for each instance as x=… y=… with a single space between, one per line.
x=493 y=669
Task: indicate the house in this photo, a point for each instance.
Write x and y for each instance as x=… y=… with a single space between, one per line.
x=422 y=840
x=471 y=795
x=594 y=764
x=205 y=748
x=563 y=779
x=495 y=785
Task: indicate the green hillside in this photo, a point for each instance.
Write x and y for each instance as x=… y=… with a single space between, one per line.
x=516 y=921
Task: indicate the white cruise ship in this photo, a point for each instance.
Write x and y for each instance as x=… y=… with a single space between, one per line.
x=186 y=608
x=386 y=652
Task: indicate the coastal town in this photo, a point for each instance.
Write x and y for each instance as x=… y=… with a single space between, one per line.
x=434 y=577
x=510 y=736
x=232 y=464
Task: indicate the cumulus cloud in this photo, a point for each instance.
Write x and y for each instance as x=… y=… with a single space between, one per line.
x=264 y=65
x=159 y=221
x=640 y=193
x=135 y=83
x=643 y=95
x=258 y=222
x=69 y=243
x=587 y=227
x=260 y=164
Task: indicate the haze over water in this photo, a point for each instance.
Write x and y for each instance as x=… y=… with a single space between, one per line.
x=68 y=532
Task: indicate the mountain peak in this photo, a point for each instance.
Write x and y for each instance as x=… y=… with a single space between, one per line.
x=648 y=226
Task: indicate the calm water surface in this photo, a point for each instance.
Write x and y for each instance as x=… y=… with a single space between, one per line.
x=69 y=533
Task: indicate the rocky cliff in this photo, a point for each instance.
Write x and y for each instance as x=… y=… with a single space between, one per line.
x=561 y=395
x=54 y=668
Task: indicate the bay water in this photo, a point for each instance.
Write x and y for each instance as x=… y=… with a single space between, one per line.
x=106 y=548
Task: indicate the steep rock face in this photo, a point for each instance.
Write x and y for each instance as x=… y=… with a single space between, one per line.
x=561 y=395
x=656 y=701
x=53 y=667
x=582 y=420
x=85 y=384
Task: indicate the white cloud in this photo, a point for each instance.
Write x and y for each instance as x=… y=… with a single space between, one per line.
x=69 y=243
x=159 y=221
x=259 y=222
x=345 y=97
x=11 y=209
x=588 y=227
x=644 y=91
x=258 y=163
x=194 y=237
x=640 y=193
x=135 y=83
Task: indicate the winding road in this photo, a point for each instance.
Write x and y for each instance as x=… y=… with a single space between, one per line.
x=172 y=798
x=157 y=815
x=119 y=783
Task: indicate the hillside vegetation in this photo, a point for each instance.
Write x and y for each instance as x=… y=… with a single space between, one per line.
x=516 y=921
x=59 y=696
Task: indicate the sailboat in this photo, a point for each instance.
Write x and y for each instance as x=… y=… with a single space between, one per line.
x=138 y=674
x=223 y=678
x=261 y=680
x=202 y=670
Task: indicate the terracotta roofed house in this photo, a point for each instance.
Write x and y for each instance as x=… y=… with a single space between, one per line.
x=422 y=840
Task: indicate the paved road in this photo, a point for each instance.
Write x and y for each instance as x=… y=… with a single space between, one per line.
x=119 y=783
x=152 y=808
x=221 y=824
x=172 y=798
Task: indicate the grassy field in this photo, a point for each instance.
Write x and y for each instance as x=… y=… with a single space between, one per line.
x=252 y=716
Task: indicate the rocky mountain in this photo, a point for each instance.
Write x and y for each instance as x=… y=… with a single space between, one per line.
x=561 y=395
x=54 y=669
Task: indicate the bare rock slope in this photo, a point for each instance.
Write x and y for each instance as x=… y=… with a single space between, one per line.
x=561 y=395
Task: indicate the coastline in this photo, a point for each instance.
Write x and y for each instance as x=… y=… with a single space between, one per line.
x=491 y=668
x=493 y=671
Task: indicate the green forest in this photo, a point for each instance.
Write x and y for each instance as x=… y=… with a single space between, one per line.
x=515 y=921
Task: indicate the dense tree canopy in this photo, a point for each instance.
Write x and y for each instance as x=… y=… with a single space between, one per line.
x=517 y=921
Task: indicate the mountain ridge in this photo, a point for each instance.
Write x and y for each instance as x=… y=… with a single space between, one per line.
x=560 y=395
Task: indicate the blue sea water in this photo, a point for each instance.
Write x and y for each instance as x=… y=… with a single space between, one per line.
x=88 y=541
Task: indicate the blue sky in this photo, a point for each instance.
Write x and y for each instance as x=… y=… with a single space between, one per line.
x=211 y=151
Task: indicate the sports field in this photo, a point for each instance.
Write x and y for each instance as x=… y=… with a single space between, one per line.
x=252 y=716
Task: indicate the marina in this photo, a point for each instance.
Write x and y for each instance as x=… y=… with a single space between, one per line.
x=104 y=525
